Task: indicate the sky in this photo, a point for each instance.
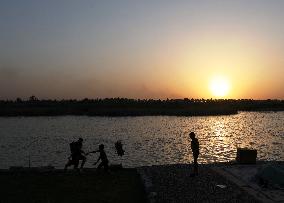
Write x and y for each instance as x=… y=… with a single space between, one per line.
x=62 y=49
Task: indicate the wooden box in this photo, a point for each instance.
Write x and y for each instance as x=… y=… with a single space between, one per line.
x=246 y=156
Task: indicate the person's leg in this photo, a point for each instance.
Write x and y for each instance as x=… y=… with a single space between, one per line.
x=69 y=163
x=100 y=166
x=105 y=166
x=76 y=163
x=83 y=158
x=195 y=165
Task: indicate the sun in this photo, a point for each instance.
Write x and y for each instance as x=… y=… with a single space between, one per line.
x=219 y=86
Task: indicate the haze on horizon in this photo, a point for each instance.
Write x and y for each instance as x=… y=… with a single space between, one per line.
x=141 y=49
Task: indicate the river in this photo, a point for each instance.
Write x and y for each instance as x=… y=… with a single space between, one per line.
x=147 y=140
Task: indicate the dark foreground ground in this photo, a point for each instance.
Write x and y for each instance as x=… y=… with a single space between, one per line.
x=221 y=182
x=118 y=186
x=173 y=184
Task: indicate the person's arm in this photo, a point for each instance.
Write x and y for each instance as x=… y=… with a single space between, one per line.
x=92 y=152
x=97 y=160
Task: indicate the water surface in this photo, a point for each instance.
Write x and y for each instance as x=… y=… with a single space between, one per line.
x=147 y=140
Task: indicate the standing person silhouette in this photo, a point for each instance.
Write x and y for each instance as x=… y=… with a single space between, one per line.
x=195 y=152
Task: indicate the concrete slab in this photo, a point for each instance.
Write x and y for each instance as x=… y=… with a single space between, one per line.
x=245 y=177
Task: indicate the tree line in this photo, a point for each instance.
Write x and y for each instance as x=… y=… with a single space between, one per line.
x=34 y=106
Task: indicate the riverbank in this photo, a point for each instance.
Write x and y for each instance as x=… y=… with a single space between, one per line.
x=42 y=186
x=173 y=183
x=221 y=182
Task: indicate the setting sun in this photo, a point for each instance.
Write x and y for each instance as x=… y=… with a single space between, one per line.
x=219 y=87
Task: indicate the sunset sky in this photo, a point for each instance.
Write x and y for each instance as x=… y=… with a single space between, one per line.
x=142 y=49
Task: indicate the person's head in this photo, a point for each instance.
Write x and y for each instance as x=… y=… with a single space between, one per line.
x=101 y=147
x=192 y=135
x=80 y=139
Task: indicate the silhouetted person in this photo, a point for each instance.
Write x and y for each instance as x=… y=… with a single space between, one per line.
x=119 y=148
x=77 y=154
x=102 y=157
x=195 y=152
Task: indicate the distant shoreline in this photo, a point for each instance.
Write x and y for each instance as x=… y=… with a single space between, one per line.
x=135 y=114
x=120 y=107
